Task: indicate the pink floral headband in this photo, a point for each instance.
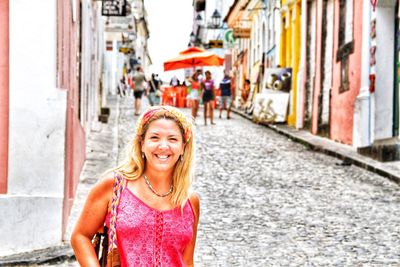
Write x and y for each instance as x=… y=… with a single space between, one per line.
x=186 y=124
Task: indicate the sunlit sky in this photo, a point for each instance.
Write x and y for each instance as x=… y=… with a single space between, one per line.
x=170 y=25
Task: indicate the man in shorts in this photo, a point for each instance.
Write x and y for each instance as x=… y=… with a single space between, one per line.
x=227 y=95
x=139 y=81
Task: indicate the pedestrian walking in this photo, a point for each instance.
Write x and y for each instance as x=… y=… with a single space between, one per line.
x=208 y=97
x=195 y=93
x=122 y=87
x=139 y=80
x=156 y=215
x=227 y=95
x=154 y=90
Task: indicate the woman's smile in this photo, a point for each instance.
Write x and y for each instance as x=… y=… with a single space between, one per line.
x=162 y=145
x=162 y=158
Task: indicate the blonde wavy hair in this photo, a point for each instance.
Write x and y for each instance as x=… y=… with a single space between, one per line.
x=133 y=166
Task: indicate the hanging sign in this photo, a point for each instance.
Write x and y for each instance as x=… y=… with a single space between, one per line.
x=229 y=39
x=215 y=44
x=109 y=46
x=241 y=32
x=125 y=50
x=113 y=8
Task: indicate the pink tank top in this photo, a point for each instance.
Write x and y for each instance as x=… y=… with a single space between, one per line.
x=148 y=237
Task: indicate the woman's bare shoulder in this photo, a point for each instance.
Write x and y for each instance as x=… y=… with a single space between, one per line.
x=104 y=184
x=194 y=197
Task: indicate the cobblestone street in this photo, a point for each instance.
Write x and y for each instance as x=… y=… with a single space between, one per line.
x=267 y=201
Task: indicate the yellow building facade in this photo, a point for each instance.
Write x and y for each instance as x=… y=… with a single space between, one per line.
x=290 y=48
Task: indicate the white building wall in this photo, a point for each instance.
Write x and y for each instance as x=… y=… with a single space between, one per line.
x=100 y=47
x=328 y=66
x=301 y=75
x=312 y=50
x=277 y=29
x=362 y=106
x=384 y=74
x=112 y=71
x=31 y=212
x=140 y=44
x=92 y=49
x=85 y=62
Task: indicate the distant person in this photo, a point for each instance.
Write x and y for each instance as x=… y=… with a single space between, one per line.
x=227 y=95
x=174 y=81
x=195 y=93
x=134 y=62
x=154 y=90
x=208 y=97
x=139 y=80
x=122 y=87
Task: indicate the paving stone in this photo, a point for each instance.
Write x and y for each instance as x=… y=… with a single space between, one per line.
x=269 y=201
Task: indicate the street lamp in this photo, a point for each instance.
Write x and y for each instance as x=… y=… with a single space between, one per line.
x=216 y=19
x=196 y=39
x=199 y=20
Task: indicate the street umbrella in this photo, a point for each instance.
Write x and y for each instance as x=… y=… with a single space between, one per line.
x=192 y=50
x=193 y=57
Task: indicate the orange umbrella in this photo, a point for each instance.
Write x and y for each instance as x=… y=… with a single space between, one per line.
x=191 y=50
x=193 y=57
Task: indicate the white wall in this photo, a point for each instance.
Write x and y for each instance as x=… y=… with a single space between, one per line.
x=112 y=69
x=384 y=72
x=92 y=51
x=362 y=106
x=328 y=66
x=31 y=212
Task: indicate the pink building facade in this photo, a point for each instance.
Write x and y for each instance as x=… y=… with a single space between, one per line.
x=67 y=56
x=4 y=95
x=333 y=67
x=42 y=137
x=346 y=70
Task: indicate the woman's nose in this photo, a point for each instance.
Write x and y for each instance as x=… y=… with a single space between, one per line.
x=163 y=143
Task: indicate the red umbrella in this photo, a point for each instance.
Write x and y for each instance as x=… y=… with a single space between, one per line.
x=193 y=57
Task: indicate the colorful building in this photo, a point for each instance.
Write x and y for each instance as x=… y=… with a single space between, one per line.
x=237 y=19
x=338 y=52
x=53 y=91
x=45 y=139
x=290 y=49
x=376 y=128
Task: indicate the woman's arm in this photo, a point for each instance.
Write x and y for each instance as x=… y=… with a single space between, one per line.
x=233 y=88
x=90 y=221
x=188 y=253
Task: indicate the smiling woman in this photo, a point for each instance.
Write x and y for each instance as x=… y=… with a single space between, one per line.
x=157 y=216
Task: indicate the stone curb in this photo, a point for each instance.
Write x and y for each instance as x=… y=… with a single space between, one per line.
x=47 y=255
x=331 y=148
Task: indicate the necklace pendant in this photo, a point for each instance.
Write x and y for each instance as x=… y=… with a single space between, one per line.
x=154 y=191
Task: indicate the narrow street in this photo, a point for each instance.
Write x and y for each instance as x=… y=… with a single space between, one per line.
x=267 y=201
